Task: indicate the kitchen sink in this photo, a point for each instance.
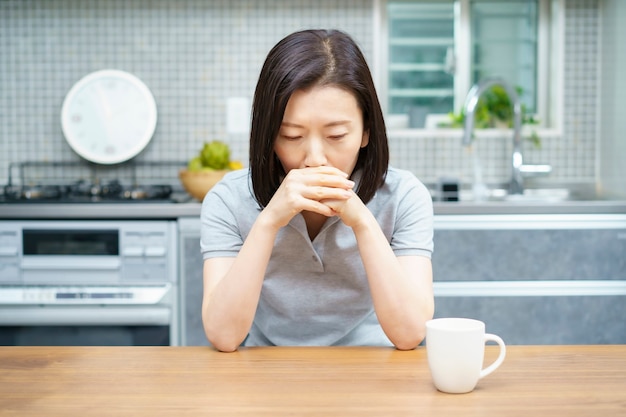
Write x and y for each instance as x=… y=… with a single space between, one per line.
x=534 y=195
x=546 y=195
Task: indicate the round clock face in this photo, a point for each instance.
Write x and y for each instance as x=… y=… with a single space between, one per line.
x=108 y=116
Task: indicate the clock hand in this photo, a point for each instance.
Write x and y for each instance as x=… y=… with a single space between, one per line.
x=104 y=103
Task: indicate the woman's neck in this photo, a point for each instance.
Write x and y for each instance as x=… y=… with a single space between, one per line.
x=314 y=223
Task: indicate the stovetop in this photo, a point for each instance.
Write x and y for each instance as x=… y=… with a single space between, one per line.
x=86 y=192
x=47 y=189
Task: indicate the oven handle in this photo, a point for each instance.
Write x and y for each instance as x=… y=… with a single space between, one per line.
x=75 y=263
x=88 y=316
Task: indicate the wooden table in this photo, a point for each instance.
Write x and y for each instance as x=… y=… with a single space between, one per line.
x=197 y=381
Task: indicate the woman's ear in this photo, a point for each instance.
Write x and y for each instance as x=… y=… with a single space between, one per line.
x=366 y=138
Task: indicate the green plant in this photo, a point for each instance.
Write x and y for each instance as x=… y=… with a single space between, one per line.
x=494 y=109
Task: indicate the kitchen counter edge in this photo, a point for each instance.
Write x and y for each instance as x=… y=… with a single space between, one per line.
x=192 y=209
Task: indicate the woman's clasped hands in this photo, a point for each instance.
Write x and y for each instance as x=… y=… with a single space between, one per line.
x=324 y=190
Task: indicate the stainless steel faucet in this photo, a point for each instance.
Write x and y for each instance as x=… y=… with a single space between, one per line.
x=519 y=170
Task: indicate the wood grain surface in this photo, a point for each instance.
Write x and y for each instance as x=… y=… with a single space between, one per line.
x=328 y=381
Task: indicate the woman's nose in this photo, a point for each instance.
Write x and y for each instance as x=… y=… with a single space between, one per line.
x=315 y=153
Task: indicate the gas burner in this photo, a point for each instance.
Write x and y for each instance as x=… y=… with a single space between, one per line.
x=152 y=192
x=41 y=192
x=108 y=190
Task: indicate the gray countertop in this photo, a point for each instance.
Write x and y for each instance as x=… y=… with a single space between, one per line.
x=192 y=209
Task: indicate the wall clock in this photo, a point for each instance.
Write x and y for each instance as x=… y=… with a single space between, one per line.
x=108 y=116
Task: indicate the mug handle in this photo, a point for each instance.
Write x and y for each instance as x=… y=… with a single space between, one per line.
x=497 y=362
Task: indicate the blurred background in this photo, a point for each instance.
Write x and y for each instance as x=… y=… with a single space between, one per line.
x=196 y=56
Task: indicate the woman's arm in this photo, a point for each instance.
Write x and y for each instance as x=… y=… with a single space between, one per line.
x=232 y=287
x=401 y=287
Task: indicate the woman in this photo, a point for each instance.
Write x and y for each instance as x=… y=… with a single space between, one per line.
x=319 y=242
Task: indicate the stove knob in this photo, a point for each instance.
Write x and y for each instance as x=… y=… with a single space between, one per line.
x=133 y=251
x=155 y=251
x=8 y=251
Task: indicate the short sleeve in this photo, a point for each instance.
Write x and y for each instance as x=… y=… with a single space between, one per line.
x=413 y=228
x=221 y=234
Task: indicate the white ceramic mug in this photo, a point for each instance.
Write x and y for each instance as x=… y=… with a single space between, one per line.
x=455 y=348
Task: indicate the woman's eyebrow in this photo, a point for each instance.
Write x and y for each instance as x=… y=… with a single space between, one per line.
x=338 y=123
x=289 y=124
x=329 y=124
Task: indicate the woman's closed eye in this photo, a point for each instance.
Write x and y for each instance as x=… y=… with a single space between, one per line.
x=291 y=137
x=337 y=136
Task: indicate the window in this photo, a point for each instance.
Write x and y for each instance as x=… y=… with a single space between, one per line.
x=504 y=43
x=421 y=57
x=437 y=49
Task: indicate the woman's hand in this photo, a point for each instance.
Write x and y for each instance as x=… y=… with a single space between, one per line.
x=351 y=211
x=309 y=189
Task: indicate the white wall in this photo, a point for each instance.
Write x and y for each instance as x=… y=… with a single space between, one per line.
x=611 y=163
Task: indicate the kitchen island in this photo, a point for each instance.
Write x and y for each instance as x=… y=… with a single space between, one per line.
x=337 y=381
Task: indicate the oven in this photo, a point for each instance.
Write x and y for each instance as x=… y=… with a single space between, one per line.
x=88 y=282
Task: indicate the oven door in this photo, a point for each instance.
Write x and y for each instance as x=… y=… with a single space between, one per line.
x=83 y=319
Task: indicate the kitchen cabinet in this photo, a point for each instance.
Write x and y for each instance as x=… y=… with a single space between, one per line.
x=192 y=332
x=533 y=278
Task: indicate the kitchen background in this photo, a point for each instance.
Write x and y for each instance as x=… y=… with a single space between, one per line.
x=196 y=54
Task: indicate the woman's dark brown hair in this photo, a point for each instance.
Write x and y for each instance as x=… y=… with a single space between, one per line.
x=298 y=62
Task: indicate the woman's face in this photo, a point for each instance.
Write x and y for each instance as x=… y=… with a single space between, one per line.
x=322 y=126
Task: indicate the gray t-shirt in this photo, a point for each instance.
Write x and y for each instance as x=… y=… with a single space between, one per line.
x=316 y=293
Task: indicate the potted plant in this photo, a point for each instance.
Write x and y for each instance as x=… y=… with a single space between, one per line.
x=494 y=110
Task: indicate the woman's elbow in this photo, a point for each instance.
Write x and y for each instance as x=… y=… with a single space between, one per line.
x=222 y=342
x=409 y=343
x=225 y=347
x=411 y=339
